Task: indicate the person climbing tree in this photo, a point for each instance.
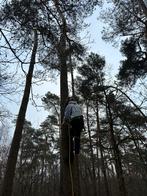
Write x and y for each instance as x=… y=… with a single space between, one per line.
x=73 y=116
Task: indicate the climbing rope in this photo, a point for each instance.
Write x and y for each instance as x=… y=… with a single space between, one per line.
x=70 y=170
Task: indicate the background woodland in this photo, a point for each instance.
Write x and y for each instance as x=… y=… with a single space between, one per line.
x=42 y=38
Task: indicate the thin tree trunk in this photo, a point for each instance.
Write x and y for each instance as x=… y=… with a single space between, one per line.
x=15 y=145
x=101 y=152
x=135 y=143
x=91 y=150
x=117 y=89
x=72 y=76
x=85 y=178
x=116 y=151
x=98 y=172
x=139 y=153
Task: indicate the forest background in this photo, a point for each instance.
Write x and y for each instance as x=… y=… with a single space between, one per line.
x=46 y=41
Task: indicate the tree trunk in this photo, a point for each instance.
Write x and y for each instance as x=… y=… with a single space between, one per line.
x=72 y=76
x=101 y=153
x=98 y=169
x=135 y=143
x=85 y=177
x=139 y=153
x=67 y=170
x=116 y=151
x=91 y=151
x=15 y=145
x=65 y=181
x=76 y=176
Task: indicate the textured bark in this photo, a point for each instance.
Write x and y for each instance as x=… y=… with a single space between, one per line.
x=15 y=145
x=66 y=175
x=68 y=184
x=66 y=179
x=76 y=176
x=67 y=169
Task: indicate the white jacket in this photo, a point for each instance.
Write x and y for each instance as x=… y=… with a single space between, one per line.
x=72 y=110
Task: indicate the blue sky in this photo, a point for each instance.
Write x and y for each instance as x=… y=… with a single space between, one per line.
x=112 y=54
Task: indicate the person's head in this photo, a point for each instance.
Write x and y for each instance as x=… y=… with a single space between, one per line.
x=70 y=99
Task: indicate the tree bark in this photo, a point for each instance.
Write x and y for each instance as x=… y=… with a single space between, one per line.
x=15 y=145
x=76 y=176
x=65 y=172
x=68 y=185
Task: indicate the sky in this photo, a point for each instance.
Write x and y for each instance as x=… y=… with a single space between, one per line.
x=112 y=54
x=96 y=45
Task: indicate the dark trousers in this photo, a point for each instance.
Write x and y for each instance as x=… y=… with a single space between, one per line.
x=77 y=124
